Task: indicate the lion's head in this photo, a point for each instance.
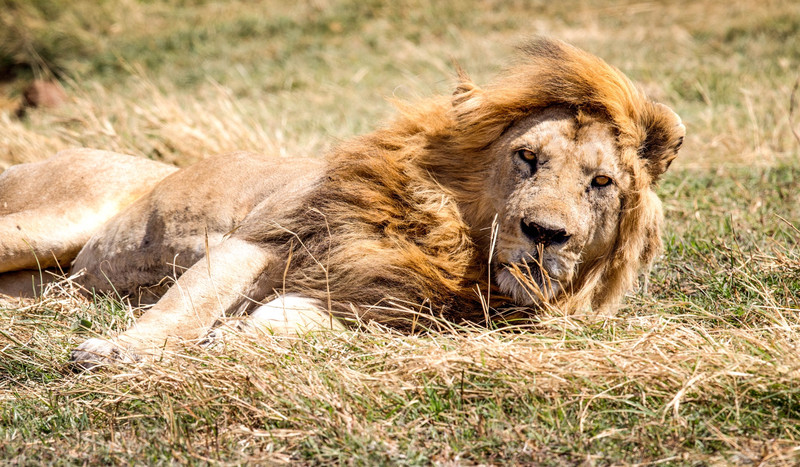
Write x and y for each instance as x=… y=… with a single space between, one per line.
x=558 y=191
x=555 y=164
x=542 y=180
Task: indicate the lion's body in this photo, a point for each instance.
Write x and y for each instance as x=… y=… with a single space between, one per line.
x=168 y=230
x=536 y=191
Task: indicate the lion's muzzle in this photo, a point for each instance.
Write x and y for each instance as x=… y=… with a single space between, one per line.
x=544 y=235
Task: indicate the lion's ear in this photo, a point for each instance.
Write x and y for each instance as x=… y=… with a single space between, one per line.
x=466 y=91
x=664 y=138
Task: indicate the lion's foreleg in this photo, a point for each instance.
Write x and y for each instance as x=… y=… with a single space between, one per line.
x=208 y=290
x=291 y=314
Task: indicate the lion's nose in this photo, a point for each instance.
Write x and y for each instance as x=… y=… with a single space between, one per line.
x=545 y=235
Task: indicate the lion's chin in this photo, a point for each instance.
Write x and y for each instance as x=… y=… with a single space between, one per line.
x=528 y=290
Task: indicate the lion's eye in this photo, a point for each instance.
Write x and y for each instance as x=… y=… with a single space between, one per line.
x=527 y=155
x=601 y=180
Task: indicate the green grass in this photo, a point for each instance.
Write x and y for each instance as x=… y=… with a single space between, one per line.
x=701 y=370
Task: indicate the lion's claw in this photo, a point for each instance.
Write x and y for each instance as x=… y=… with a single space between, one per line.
x=100 y=352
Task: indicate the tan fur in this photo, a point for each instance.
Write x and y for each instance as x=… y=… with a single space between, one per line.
x=420 y=222
x=49 y=210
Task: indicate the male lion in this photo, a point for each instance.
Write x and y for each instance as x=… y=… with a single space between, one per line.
x=536 y=189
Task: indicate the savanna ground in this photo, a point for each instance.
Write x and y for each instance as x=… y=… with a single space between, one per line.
x=703 y=369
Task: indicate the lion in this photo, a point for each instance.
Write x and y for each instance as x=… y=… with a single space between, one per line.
x=536 y=190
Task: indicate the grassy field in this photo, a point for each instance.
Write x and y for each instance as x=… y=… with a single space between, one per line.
x=704 y=369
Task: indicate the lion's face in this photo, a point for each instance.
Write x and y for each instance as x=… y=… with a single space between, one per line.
x=557 y=189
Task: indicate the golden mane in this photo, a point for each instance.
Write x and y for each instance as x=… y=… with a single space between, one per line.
x=395 y=224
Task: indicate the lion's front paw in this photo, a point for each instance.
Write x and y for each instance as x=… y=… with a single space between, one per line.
x=98 y=352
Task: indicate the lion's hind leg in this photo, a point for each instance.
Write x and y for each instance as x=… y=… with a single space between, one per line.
x=50 y=209
x=27 y=283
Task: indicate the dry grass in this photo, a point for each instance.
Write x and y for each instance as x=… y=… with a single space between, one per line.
x=300 y=77
x=703 y=371
x=646 y=386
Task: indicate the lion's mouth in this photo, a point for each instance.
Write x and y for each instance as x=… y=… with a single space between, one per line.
x=527 y=282
x=528 y=270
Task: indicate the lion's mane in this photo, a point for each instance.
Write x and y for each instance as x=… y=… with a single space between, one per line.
x=383 y=235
